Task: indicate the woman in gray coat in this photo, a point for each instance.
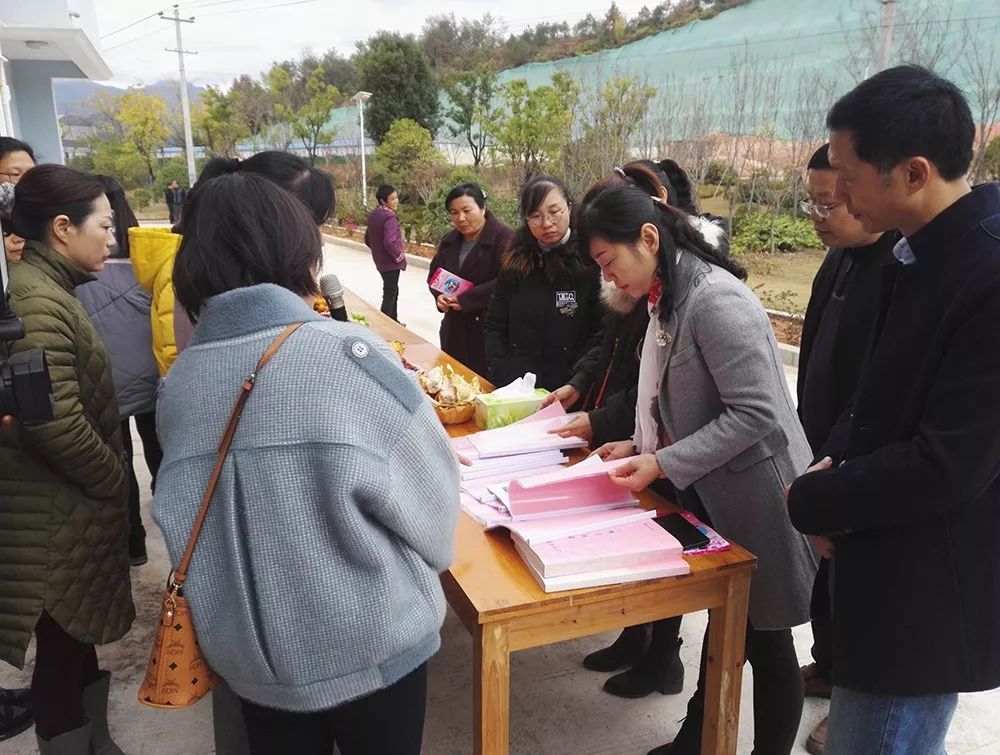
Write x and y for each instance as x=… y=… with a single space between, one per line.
x=715 y=416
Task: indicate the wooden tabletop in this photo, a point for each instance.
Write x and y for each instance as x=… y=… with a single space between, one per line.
x=487 y=569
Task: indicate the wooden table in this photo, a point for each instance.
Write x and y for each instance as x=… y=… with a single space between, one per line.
x=505 y=610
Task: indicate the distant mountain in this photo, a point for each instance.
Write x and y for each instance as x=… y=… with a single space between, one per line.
x=71 y=94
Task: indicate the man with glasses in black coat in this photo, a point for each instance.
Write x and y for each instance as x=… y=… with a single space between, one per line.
x=835 y=335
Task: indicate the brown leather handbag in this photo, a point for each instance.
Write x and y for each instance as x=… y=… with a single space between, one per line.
x=177 y=674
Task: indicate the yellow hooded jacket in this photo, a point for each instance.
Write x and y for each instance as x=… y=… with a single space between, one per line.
x=152 y=251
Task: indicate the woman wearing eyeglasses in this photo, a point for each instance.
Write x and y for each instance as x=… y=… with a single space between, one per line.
x=546 y=310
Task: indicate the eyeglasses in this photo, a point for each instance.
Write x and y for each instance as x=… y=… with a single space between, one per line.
x=820 y=210
x=538 y=219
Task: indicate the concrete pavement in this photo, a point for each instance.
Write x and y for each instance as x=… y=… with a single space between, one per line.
x=556 y=706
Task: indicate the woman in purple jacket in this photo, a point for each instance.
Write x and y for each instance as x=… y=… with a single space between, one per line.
x=385 y=238
x=471 y=250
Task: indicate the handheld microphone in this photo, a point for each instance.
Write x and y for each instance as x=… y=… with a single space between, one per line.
x=333 y=292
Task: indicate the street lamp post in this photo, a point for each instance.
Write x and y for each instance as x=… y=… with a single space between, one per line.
x=361 y=98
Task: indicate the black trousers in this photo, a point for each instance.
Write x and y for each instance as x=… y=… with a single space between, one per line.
x=821 y=614
x=146 y=425
x=63 y=667
x=778 y=691
x=390 y=720
x=777 y=695
x=390 y=293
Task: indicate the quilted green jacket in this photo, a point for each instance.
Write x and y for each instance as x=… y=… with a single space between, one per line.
x=63 y=501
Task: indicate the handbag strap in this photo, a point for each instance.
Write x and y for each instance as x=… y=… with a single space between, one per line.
x=180 y=573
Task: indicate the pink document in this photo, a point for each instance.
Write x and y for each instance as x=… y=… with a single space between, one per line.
x=619 y=546
x=674 y=566
x=532 y=532
x=582 y=487
x=449 y=283
x=524 y=437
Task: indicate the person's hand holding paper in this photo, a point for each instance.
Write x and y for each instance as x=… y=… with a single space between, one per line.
x=619 y=449
x=637 y=473
x=578 y=425
x=568 y=396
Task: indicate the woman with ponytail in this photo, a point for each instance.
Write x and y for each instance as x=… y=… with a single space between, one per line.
x=715 y=417
x=647 y=654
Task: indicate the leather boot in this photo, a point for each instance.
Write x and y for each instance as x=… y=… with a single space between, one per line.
x=76 y=742
x=15 y=712
x=95 y=707
x=656 y=671
x=622 y=653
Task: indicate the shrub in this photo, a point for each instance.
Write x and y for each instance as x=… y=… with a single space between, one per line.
x=753 y=232
x=720 y=174
x=349 y=206
x=141 y=198
x=707 y=190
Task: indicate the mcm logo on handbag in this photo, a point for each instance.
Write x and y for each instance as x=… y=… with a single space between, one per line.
x=177 y=674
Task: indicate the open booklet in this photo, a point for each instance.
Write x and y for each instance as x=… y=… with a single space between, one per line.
x=549 y=505
x=586 y=486
x=529 y=435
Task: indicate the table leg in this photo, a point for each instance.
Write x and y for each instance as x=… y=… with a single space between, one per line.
x=491 y=689
x=726 y=649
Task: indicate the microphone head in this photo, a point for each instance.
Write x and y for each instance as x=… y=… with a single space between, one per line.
x=331 y=287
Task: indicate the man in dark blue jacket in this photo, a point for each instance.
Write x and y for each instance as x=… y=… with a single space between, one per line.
x=908 y=502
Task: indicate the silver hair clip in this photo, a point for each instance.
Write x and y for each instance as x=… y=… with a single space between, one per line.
x=620 y=171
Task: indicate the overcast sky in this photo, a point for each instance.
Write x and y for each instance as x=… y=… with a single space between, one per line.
x=233 y=37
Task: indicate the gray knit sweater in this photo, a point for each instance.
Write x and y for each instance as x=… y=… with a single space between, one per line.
x=315 y=579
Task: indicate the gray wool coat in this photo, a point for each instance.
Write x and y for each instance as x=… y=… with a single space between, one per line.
x=725 y=403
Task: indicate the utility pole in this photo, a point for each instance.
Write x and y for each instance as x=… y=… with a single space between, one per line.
x=185 y=105
x=361 y=98
x=888 y=25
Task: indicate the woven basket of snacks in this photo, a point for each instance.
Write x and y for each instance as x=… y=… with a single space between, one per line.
x=451 y=394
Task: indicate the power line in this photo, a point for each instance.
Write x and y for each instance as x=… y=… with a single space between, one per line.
x=258 y=8
x=129 y=26
x=198 y=5
x=134 y=39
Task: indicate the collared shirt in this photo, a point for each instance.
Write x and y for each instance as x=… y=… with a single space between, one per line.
x=903 y=252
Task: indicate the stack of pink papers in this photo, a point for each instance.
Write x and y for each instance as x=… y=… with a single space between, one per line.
x=625 y=552
x=583 y=487
x=529 y=435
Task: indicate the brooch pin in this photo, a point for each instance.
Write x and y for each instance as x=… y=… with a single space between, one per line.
x=662 y=337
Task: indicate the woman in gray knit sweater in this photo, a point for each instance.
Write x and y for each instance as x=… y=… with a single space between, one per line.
x=314 y=585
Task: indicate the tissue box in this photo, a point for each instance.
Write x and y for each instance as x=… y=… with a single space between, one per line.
x=494 y=412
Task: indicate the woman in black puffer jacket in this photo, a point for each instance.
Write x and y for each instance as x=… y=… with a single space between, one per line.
x=546 y=311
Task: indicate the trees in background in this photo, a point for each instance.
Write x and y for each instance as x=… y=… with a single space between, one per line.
x=217 y=122
x=396 y=71
x=471 y=95
x=407 y=158
x=306 y=111
x=531 y=126
x=608 y=119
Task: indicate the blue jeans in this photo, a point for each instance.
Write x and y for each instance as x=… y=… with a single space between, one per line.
x=884 y=725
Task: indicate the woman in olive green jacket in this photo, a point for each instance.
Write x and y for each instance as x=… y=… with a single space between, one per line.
x=64 y=567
